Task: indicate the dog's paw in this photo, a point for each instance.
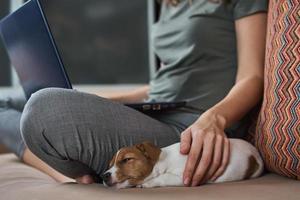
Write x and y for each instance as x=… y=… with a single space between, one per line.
x=144 y=185
x=147 y=185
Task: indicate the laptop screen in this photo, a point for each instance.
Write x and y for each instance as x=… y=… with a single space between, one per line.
x=32 y=50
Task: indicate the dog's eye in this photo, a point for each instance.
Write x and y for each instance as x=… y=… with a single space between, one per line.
x=126 y=160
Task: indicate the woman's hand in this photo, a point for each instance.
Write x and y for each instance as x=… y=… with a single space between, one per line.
x=207 y=147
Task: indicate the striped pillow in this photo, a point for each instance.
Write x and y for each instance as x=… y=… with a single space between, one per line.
x=278 y=126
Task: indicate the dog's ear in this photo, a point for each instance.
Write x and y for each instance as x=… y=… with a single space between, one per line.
x=150 y=151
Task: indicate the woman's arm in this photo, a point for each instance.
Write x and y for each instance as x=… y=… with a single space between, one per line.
x=205 y=141
x=248 y=90
x=137 y=95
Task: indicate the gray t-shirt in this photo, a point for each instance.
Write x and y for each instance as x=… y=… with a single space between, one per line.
x=197 y=47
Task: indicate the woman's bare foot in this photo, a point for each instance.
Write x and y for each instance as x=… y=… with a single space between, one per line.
x=86 y=179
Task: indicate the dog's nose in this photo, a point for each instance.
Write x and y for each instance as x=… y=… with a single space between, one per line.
x=106 y=176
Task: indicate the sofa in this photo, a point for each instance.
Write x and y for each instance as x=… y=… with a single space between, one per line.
x=275 y=132
x=20 y=182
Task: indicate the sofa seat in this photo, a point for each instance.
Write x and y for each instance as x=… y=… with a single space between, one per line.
x=21 y=182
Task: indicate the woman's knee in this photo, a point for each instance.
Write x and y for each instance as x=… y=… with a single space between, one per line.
x=51 y=128
x=45 y=98
x=37 y=109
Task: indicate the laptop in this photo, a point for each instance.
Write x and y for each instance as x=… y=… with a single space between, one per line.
x=32 y=51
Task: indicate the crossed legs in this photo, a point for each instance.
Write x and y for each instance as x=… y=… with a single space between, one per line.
x=73 y=134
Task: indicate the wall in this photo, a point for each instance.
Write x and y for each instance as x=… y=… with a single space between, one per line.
x=100 y=41
x=4 y=63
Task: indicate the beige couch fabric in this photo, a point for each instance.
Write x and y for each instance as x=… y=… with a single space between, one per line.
x=20 y=182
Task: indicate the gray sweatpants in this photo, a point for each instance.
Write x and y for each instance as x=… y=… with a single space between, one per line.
x=77 y=133
x=11 y=107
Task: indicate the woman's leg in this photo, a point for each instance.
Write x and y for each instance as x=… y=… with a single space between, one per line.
x=10 y=136
x=32 y=160
x=77 y=133
x=10 y=114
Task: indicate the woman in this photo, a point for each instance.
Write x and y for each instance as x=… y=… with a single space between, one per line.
x=212 y=56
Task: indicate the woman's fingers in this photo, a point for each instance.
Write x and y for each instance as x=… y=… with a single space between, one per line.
x=208 y=148
x=217 y=158
x=186 y=140
x=225 y=160
x=192 y=159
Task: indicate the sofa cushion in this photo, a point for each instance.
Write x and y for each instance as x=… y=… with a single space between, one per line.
x=18 y=181
x=278 y=128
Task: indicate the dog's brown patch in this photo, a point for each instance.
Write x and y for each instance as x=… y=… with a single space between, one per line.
x=112 y=162
x=252 y=167
x=150 y=151
x=135 y=163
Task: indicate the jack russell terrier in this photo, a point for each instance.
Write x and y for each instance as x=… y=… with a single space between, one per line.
x=146 y=166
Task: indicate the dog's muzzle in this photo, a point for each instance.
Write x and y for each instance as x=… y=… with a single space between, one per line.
x=107 y=180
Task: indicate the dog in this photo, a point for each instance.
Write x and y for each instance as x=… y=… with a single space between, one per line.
x=146 y=166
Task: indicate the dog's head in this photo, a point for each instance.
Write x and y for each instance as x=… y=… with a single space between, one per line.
x=131 y=165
